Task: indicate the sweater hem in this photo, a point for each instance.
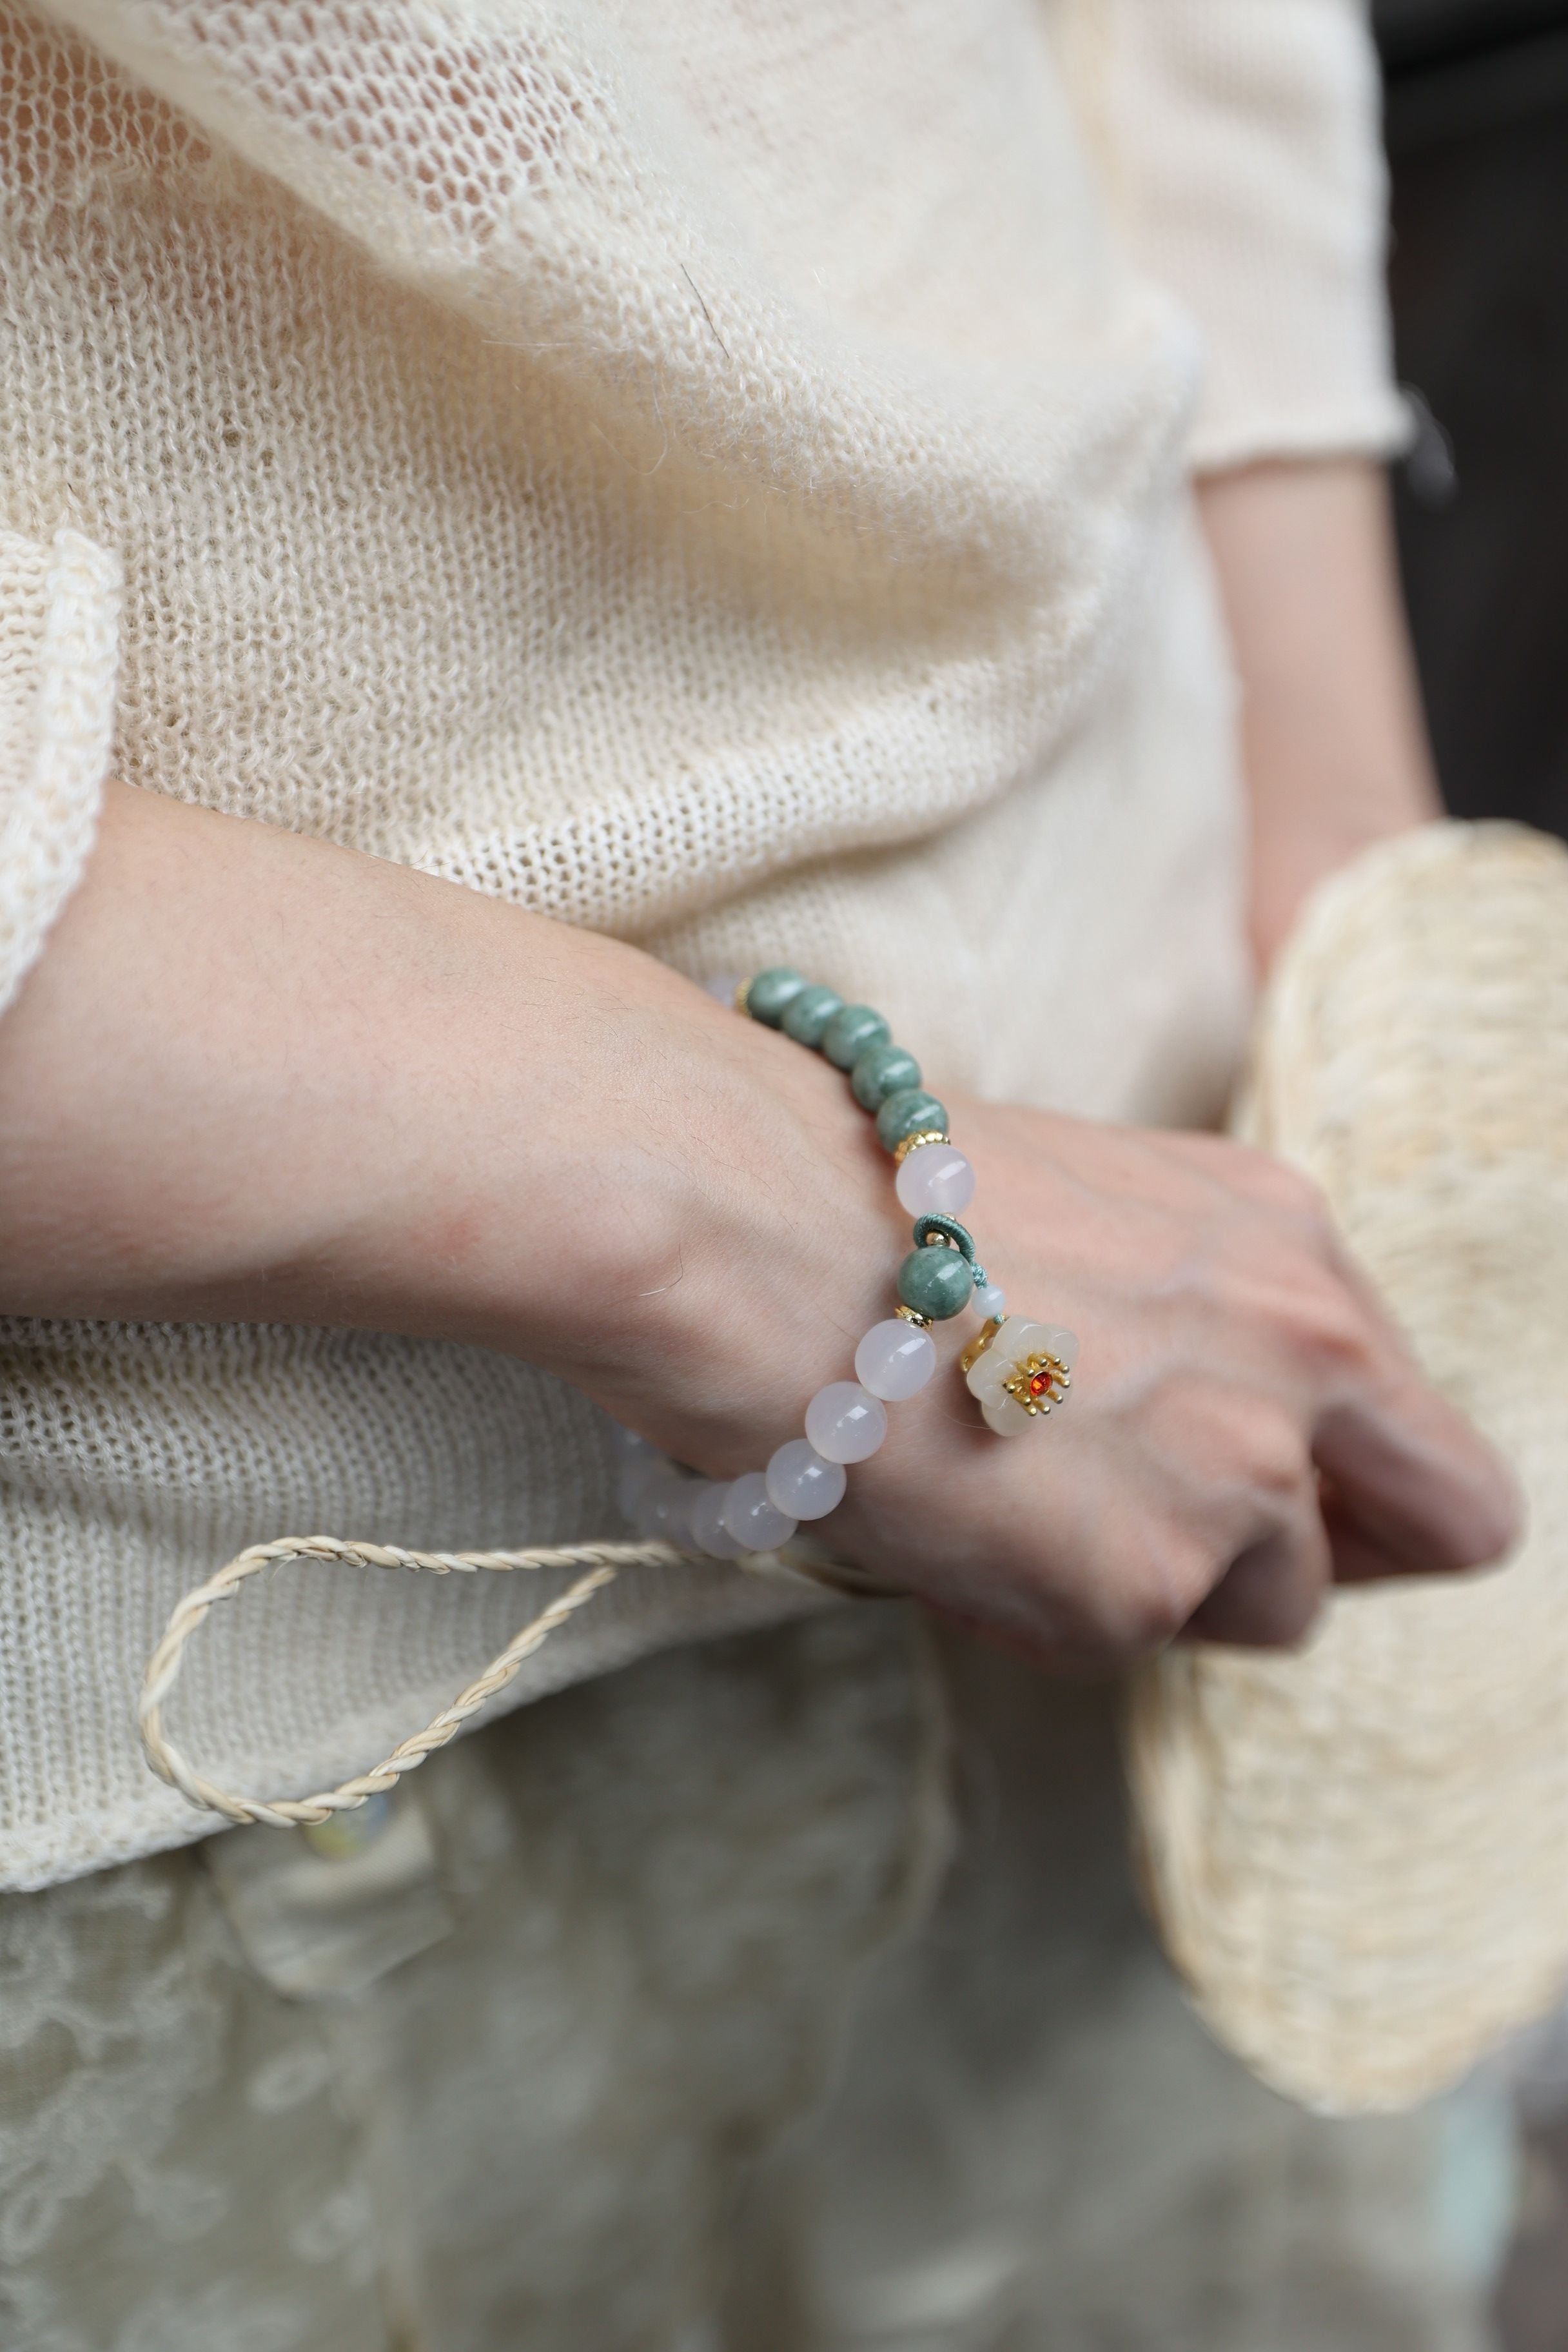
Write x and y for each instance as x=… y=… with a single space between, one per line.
x=1382 y=433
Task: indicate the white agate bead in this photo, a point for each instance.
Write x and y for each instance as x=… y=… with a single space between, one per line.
x=722 y=985
x=638 y=1473
x=992 y=1302
x=708 y=1532
x=655 y=1512
x=844 y=1423
x=678 y=1529
x=801 y=1484
x=895 y=1359
x=756 y=1523
x=935 y=1179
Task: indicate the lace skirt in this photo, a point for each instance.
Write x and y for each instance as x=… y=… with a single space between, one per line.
x=637 y=2024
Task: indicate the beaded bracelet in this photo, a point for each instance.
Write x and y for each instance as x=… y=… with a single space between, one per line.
x=737 y=1518
x=1015 y=1384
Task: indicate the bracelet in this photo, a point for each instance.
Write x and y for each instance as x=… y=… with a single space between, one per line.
x=1016 y=1382
x=738 y=1518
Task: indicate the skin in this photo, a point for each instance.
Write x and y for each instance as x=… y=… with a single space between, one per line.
x=1333 y=744
x=230 y=1088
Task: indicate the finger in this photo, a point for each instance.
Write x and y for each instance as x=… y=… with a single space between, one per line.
x=1358 y=1555
x=1418 y=1479
x=1270 y=1594
x=1358 y=1559
x=1421 y=1479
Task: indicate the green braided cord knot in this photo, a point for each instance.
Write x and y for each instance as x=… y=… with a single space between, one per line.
x=937 y=1228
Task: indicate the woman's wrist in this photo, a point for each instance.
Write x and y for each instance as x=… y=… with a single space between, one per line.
x=758 y=1238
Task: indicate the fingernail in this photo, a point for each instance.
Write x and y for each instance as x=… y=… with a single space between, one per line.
x=1500 y=1522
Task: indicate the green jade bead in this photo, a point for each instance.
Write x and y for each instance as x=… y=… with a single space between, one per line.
x=808 y=1015
x=852 y=1033
x=936 y=1282
x=907 y=1113
x=882 y=1071
x=771 y=991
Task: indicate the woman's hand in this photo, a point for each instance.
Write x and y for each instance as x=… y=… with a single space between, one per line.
x=256 y=1078
x=1244 y=1424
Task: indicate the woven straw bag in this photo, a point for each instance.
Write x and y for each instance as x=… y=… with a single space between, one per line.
x=1358 y=1853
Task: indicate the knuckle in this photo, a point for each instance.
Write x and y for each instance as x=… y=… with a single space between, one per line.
x=1149 y=1620
x=1325 y=1329
x=1303 y=1197
x=1161 y=1620
x=1281 y=1186
x=1175 y=1580
x=1226 y=1440
x=1275 y=1455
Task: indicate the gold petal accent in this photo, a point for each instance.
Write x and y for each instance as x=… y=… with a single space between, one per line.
x=979 y=1344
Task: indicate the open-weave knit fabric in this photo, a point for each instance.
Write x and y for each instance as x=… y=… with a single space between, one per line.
x=1359 y=1855
x=709 y=472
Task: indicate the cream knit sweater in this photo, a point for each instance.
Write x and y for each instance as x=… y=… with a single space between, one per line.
x=706 y=469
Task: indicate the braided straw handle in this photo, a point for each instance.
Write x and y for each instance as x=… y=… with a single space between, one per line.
x=601 y=1563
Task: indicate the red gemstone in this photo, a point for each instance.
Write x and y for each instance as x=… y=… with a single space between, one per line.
x=1038 y=1385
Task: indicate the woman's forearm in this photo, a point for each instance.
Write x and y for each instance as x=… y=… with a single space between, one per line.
x=1333 y=744
x=256 y=1077
x=224 y=1085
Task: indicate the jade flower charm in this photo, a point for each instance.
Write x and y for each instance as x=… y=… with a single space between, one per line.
x=1018 y=1370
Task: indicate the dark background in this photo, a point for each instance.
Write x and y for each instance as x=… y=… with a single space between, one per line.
x=1477 y=118
x=1477 y=124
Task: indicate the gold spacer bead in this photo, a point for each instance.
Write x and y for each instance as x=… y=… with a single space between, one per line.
x=903 y=1149
x=980 y=1341
x=912 y=1314
x=742 y=993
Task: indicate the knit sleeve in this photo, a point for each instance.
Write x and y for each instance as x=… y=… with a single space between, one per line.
x=59 y=626
x=1246 y=161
